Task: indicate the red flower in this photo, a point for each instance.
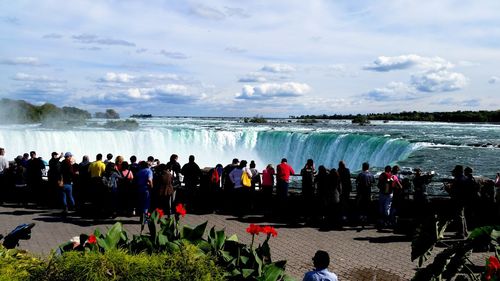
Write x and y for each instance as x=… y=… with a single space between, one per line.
x=180 y=210
x=160 y=213
x=92 y=239
x=254 y=229
x=269 y=230
x=492 y=267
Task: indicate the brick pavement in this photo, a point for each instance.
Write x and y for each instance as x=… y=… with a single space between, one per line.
x=355 y=255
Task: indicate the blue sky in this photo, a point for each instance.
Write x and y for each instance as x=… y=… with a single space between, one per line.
x=247 y=58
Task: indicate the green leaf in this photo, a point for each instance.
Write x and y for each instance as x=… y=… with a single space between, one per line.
x=271 y=273
x=233 y=238
x=162 y=240
x=198 y=231
x=114 y=235
x=247 y=272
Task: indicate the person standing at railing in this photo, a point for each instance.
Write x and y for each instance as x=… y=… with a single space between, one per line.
x=4 y=166
x=364 y=183
x=308 y=188
x=284 y=171
x=346 y=187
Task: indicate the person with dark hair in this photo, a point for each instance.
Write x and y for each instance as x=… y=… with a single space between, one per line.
x=284 y=171
x=307 y=173
x=84 y=180
x=192 y=174
x=420 y=195
x=346 y=188
x=126 y=189
x=109 y=156
x=34 y=173
x=145 y=184
x=364 y=183
x=324 y=193
x=96 y=171
x=458 y=193
x=386 y=186
x=68 y=174
x=175 y=170
x=239 y=191
x=134 y=167
x=111 y=178
x=321 y=261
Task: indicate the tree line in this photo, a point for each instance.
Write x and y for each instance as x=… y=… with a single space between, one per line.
x=455 y=116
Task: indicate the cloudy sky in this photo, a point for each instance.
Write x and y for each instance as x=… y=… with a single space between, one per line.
x=247 y=58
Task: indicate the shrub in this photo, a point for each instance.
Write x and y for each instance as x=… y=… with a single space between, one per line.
x=19 y=265
x=117 y=264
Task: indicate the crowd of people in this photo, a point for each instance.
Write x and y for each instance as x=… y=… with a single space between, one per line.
x=114 y=186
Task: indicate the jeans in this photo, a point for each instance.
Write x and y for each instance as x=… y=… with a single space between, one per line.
x=67 y=193
x=282 y=189
x=144 y=200
x=385 y=202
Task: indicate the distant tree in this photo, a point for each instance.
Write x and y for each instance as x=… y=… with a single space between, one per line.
x=108 y=114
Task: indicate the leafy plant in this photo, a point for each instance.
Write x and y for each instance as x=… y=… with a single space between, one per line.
x=449 y=262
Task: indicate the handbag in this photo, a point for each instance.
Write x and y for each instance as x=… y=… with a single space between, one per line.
x=60 y=182
x=246 y=181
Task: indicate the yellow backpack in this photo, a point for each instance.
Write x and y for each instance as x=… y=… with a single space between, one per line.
x=246 y=181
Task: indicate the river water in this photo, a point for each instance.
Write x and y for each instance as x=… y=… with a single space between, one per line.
x=430 y=146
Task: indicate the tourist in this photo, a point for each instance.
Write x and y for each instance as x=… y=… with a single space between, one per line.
x=420 y=195
x=307 y=173
x=458 y=191
x=96 y=170
x=473 y=196
x=397 y=194
x=364 y=183
x=54 y=173
x=284 y=171
x=109 y=156
x=175 y=170
x=346 y=188
x=68 y=175
x=192 y=173
x=126 y=190
x=385 y=185
x=144 y=179
x=166 y=192
x=84 y=179
x=34 y=173
x=134 y=167
x=25 y=159
x=240 y=191
x=214 y=192
x=227 y=183
x=321 y=261
x=118 y=163
x=267 y=186
x=256 y=181
x=4 y=166
x=111 y=177
x=324 y=194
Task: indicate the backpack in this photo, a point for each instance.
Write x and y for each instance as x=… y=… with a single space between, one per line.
x=214 y=178
x=246 y=181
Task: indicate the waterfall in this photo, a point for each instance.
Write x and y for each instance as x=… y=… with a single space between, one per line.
x=210 y=145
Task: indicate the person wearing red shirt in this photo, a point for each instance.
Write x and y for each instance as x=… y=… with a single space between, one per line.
x=283 y=178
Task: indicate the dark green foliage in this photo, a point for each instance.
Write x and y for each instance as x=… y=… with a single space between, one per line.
x=456 y=116
x=360 y=119
x=453 y=259
x=255 y=119
x=129 y=124
x=19 y=265
x=108 y=114
x=22 y=112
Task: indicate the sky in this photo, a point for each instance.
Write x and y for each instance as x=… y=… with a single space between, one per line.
x=252 y=58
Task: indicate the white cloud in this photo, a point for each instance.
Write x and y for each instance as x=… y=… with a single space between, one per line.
x=393 y=91
x=235 y=50
x=253 y=77
x=278 y=68
x=438 y=81
x=117 y=77
x=32 y=61
x=270 y=90
x=169 y=93
x=36 y=78
x=494 y=79
x=52 y=36
x=385 y=64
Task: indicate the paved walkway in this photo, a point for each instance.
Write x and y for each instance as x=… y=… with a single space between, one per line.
x=355 y=255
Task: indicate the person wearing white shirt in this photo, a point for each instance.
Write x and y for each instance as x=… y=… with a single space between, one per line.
x=321 y=261
x=4 y=165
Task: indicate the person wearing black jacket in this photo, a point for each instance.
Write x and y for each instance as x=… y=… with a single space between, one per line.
x=68 y=175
